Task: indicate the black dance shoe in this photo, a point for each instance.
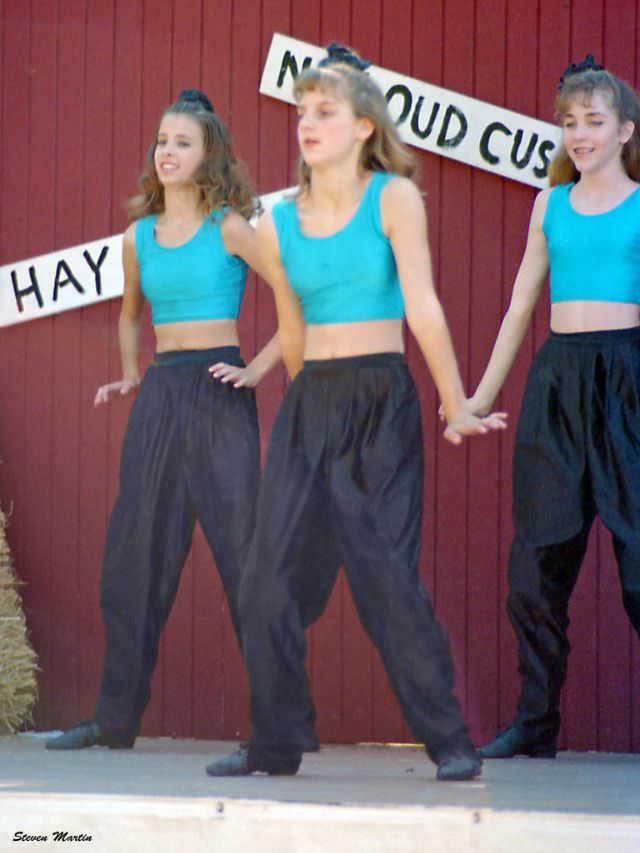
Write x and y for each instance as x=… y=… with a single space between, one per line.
x=238 y=764
x=514 y=741
x=460 y=765
x=88 y=734
x=310 y=743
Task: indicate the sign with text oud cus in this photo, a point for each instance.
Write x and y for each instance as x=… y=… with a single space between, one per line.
x=435 y=119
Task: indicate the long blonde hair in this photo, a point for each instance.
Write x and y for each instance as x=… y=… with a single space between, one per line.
x=221 y=179
x=622 y=99
x=383 y=151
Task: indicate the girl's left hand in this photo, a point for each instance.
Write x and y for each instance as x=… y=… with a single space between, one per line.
x=240 y=377
x=468 y=424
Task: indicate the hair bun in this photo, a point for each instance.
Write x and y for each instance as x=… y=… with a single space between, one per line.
x=195 y=96
x=339 y=54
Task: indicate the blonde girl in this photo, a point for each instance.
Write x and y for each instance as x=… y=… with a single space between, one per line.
x=348 y=259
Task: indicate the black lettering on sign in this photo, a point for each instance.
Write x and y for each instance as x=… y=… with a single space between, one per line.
x=405 y=93
x=95 y=267
x=523 y=162
x=545 y=148
x=290 y=63
x=58 y=283
x=33 y=288
x=490 y=129
x=445 y=141
x=415 y=119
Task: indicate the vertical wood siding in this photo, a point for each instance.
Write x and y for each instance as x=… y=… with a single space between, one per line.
x=83 y=83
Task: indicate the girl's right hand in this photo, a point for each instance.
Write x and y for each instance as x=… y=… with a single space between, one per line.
x=468 y=424
x=122 y=387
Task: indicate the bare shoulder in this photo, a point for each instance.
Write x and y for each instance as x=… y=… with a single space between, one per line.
x=265 y=222
x=402 y=205
x=129 y=236
x=401 y=190
x=542 y=197
x=266 y=231
x=234 y=222
x=234 y=226
x=540 y=207
x=129 y=249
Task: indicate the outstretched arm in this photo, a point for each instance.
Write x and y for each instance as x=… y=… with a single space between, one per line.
x=404 y=220
x=526 y=291
x=128 y=324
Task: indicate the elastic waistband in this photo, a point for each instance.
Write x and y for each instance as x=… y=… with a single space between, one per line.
x=376 y=359
x=604 y=336
x=173 y=358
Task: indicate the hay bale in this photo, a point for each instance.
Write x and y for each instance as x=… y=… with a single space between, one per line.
x=18 y=661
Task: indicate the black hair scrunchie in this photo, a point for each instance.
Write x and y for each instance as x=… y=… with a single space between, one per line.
x=338 y=53
x=587 y=64
x=195 y=96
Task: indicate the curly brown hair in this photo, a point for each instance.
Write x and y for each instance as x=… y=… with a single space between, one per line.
x=222 y=180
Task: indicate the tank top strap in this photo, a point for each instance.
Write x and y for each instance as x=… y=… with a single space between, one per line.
x=285 y=220
x=216 y=216
x=377 y=183
x=144 y=234
x=557 y=203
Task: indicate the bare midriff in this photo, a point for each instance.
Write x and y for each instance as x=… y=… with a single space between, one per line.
x=197 y=334
x=341 y=340
x=593 y=316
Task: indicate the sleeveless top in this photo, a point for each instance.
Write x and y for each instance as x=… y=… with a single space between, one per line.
x=350 y=276
x=198 y=280
x=593 y=257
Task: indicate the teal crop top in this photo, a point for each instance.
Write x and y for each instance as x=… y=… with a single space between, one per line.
x=593 y=257
x=350 y=276
x=198 y=280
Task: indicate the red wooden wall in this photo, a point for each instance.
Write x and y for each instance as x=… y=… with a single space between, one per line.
x=82 y=85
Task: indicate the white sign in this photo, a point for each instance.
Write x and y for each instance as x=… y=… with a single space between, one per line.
x=429 y=117
x=62 y=280
x=435 y=119
x=69 y=278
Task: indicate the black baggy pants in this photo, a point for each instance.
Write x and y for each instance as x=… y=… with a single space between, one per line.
x=191 y=451
x=577 y=454
x=345 y=462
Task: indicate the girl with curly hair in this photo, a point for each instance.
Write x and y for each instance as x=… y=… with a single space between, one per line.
x=191 y=449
